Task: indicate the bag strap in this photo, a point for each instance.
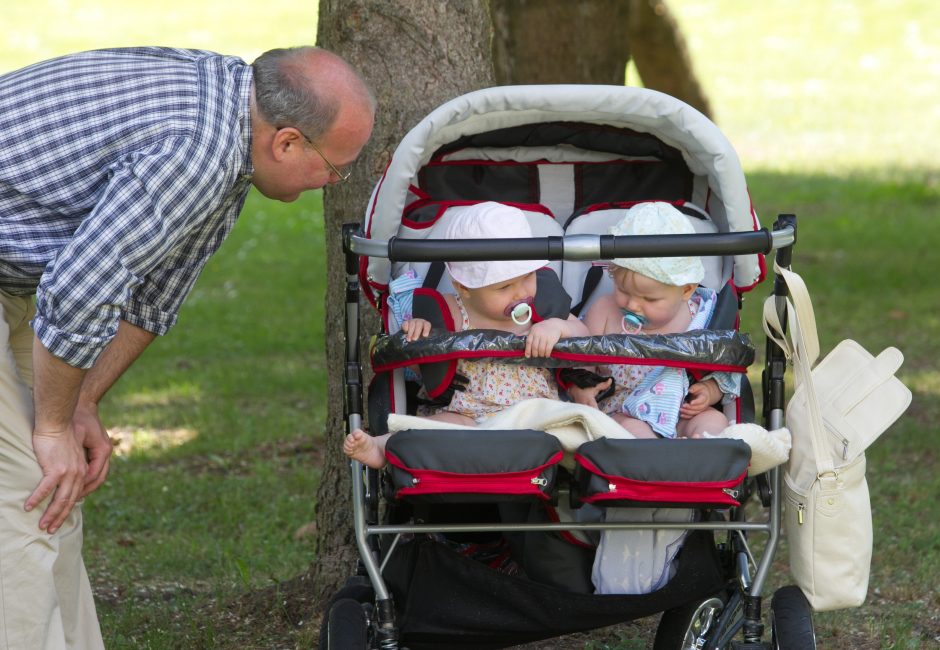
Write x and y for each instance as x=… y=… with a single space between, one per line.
x=800 y=344
x=799 y=295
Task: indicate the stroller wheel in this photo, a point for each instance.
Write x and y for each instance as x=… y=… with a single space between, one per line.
x=791 y=620
x=347 y=627
x=683 y=628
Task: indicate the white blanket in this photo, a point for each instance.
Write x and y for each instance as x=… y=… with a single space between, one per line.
x=574 y=424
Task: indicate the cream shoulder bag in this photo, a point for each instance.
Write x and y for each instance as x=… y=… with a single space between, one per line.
x=837 y=410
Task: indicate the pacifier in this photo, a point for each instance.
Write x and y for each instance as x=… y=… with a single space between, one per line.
x=520 y=311
x=631 y=323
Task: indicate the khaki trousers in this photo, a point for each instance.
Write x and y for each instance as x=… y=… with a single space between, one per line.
x=45 y=597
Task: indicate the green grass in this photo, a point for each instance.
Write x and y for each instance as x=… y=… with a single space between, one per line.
x=834 y=109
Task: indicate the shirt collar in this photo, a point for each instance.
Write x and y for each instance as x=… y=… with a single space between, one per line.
x=245 y=89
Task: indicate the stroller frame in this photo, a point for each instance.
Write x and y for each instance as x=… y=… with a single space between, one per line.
x=715 y=623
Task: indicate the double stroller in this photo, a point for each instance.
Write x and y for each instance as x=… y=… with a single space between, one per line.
x=478 y=538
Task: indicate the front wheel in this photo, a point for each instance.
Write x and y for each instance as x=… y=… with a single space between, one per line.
x=791 y=620
x=685 y=628
x=347 y=627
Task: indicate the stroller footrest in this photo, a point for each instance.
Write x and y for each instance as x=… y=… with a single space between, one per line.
x=473 y=465
x=660 y=473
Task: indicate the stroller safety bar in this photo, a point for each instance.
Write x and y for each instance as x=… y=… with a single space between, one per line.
x=572 y=247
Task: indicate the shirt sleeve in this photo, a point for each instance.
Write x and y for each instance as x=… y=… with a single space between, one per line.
x=136 y=255
x=729 y=383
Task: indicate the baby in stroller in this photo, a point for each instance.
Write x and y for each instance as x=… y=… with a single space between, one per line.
x=659 y=295
x=489 y=295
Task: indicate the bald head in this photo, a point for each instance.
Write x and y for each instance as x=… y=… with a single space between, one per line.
x=307 y=87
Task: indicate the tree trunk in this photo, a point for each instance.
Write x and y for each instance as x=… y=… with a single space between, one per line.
x=416 y=55
x=591 y=41
x=560 y=41
x=661 y=55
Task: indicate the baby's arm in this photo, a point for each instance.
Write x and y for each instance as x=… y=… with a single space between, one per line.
x=701 y=396
x=543 y=336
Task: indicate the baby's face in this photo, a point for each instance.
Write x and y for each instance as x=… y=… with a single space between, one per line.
x=656 y=302
x=494 y=299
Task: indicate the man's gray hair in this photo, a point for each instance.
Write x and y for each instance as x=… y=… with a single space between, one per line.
x=286 y=97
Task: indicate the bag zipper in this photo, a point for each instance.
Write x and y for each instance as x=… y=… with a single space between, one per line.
x=838 y=436
x=800 y=505
x=525 y=482
x=434 y=483
x=842 y=439
x=721 y=492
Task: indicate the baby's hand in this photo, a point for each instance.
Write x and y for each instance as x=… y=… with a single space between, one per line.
x=701 y=396
x=542 y=337
x=416 y=328
x=588 y=396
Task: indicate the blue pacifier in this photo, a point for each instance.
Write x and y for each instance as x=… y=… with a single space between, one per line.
x=521 y=312
x=631 y=323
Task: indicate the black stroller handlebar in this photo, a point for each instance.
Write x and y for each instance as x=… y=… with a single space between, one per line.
x=571 y=247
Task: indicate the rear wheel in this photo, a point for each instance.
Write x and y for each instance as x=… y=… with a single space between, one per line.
x=791 y=620
x=682 y=628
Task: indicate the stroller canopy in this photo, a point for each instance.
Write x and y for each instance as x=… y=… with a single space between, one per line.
x=709 y=156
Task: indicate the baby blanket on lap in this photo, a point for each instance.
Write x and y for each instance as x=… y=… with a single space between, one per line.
x=574 y=424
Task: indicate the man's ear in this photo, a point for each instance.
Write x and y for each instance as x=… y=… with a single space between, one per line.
x=285 y=142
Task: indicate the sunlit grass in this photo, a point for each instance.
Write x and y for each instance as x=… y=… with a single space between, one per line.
x=35 y=30
x=129 y=441
x=827 y=86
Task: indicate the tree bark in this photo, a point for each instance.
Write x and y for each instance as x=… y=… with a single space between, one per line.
x=591 y=42
x=661 y=55
x=416 y=55
x=560 y=41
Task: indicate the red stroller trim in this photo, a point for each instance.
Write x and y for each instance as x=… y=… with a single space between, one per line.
x=527 y=482
x=621 y=488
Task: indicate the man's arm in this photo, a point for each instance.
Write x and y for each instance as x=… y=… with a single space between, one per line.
x=55 y=392
x=66 y=404
x=126 y=346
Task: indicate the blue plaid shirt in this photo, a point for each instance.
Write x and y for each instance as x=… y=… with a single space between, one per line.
x=121 y=172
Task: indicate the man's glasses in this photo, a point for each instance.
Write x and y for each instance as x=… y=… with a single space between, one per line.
x=342 y=176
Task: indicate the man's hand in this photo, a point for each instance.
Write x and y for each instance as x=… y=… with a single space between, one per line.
x=93 y=437
x=62 y=460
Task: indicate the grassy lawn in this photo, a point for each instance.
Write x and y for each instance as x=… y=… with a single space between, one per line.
x=834 y=108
